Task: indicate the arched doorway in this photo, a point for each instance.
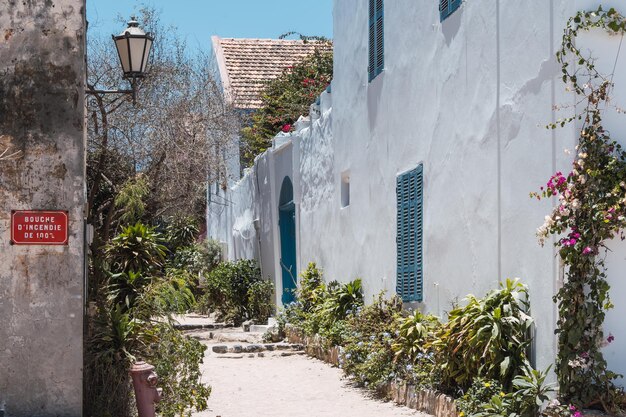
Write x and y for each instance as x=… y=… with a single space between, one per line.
x=287 y=225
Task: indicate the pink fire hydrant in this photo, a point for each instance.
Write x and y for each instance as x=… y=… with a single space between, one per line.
x=146 y=392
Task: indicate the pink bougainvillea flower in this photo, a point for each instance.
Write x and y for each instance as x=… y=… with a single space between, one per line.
x=286 y=128
x=577 y=414
x=568 y=242
x=610 y=338
x=587 y=250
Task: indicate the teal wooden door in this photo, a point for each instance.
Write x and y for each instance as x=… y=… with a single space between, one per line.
x=287 y=225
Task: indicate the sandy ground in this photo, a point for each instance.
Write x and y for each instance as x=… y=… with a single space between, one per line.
x=294 y=386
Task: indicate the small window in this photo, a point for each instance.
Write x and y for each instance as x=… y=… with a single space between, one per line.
x=345 y=189
x=447 y=7
x=409 y=226
x=376 y=38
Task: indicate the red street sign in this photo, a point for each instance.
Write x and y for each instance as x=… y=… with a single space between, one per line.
x=39 y=227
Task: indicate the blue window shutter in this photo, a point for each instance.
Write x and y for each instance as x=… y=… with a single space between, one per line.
x=380 y=36
x=409 y=198
x=447 y=7
x=372 y=40
x=376 y=38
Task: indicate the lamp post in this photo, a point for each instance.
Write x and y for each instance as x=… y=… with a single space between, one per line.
x=133 y=49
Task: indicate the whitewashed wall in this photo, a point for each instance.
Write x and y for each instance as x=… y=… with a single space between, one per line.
x=468 y=98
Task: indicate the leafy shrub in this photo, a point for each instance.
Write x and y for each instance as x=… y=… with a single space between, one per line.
x=311 y=288
x=415 y=332
x=488 y=338
x=368 y=355
x=336 y=303
x=479 y=393
x=131 y=199
x=171 y=293
x=198 y=259
x=260 y=295
x=309 y=295
x=117 y=338
x=177 y=359
x=124 y=329
x=114 y=340
x=525 y=400
x=227 y=291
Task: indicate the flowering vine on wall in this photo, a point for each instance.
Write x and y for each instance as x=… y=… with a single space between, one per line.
x=591 y=210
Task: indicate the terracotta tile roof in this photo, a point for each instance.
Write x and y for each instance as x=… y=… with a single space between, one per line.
x=245 y=65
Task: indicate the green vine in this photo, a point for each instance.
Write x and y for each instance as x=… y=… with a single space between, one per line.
x=591 y=210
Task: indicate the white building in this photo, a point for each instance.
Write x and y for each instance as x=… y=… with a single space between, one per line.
x=463 y=97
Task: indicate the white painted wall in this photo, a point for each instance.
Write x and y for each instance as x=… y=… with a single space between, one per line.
x=468 y=98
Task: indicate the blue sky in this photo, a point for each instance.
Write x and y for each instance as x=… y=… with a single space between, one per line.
x=197 y=20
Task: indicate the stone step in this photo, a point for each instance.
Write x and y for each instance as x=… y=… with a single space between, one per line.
x=199 y=326
x=253 y=348
x=260 y=354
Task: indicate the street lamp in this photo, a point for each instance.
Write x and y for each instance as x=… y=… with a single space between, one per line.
x=133 y=49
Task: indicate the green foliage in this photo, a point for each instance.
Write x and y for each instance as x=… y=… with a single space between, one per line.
x=137 y=248
x=415 y=333
x=591 y=211
x=172 y=293
x=311 y=288
x=529 y=393
x=227 y=292
x=286 y=98
x=322 y=309
x=124 y=329
x=481 y=351
x=198 y=259
x=368 y=354
x=178 y=358
x=180 y=232
x=125 y=287
x=260 y=295
x=489 y=337
x=131 y=199
x=339 y=302
x=479 y=393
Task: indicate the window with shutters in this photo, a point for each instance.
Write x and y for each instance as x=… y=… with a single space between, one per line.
x=409 y=197
x=377 y=38
x=447 y=7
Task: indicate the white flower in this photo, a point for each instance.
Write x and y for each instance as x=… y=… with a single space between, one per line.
x=582 y=180
x=575 y=203
x=554 y=403
x=622 y=184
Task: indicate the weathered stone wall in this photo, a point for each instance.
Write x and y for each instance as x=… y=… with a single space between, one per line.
x=42 y=66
